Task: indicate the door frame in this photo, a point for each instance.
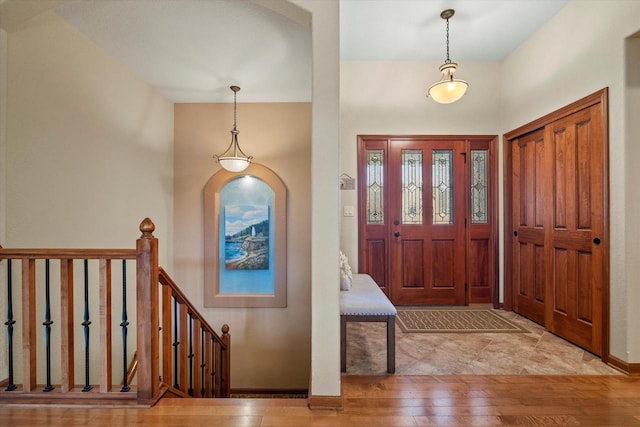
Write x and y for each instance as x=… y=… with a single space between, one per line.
x=599 y=97
x=493 y=174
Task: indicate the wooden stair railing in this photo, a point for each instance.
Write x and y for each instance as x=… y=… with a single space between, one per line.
x=200 y=364
x=41 y=293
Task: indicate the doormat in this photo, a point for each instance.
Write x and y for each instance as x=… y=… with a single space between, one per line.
x=467 y=320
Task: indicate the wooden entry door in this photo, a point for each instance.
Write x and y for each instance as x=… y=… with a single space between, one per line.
x=427 y=213
x=427 y=218
x=558 y=262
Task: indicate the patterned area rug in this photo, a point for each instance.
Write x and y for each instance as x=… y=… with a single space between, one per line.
x=433 y=320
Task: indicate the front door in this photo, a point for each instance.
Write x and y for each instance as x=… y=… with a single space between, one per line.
x=425 y=230
x=427 y=213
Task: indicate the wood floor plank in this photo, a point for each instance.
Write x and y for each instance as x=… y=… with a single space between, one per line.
x=385 y=401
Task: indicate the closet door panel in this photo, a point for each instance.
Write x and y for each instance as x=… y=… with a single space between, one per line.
x=529 y=210
x=577 y=227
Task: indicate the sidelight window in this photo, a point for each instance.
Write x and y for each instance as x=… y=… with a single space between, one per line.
x=375 y=188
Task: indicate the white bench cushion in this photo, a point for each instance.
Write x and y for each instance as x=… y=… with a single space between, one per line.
x=365 y=298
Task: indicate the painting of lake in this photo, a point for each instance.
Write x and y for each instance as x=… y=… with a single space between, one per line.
x=246 y=237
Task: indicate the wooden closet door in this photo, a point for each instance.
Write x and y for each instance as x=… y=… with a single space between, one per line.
x=530 y=181
x=577 y=228
x=556 y=210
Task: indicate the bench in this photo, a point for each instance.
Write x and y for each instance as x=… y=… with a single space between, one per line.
x=365 y=302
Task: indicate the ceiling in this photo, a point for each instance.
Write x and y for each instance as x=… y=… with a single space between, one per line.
x=193 y=50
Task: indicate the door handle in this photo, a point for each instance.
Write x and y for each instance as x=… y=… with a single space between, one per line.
x=515 y=233
x=596 y=240
x=396 y=233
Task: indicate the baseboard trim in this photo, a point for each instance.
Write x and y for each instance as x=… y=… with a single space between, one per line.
x=626 y=367
x=326 y=402
x=269 y=393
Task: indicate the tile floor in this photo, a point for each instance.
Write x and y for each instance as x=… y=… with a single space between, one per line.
x=536 y=352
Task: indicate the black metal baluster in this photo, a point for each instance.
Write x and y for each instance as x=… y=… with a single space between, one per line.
x=85 y=324
x=47 y=326
x=203 y=364
x=190 y=356
x=10 y=322
x=176 y=343
x=124 y=324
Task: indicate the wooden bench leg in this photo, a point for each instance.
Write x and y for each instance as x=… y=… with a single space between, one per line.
x=343 y=344
x=391 y=344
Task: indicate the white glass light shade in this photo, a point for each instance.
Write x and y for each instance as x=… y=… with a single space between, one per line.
x=448 y=89
x=234 y=164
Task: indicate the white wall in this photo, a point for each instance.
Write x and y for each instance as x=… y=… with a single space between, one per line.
x=580 y=51
x=390 y=98
x=325 y=327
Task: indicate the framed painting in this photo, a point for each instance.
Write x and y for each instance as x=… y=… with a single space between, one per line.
x=245 y=239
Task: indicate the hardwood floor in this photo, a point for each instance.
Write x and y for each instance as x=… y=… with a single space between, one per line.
x=520 y=400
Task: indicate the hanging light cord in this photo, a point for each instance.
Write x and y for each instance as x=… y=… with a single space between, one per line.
x=447 y=60
x=235 y=94
x=235 y=132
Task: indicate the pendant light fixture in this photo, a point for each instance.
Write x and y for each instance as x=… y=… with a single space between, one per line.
x=234 y=159
x=448 y=89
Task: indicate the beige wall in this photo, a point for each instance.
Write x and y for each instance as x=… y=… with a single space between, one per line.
x=88 y=155
x=578 y=52
x=271 y=346
x=632 y=176
x=88 y=144
x=3 y=180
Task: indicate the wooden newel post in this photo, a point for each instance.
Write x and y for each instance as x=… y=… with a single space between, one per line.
x=226 y=362
x=147 y=312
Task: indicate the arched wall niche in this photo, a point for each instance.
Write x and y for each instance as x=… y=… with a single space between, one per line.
x=216 y=292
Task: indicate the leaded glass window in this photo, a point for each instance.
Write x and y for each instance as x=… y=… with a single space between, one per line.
x=412 y=194
x=479 y=207
x=442 y=185
x=375 y=188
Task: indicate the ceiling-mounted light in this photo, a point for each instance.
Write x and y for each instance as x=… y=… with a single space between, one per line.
x=233 y=159
x=448 y=89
